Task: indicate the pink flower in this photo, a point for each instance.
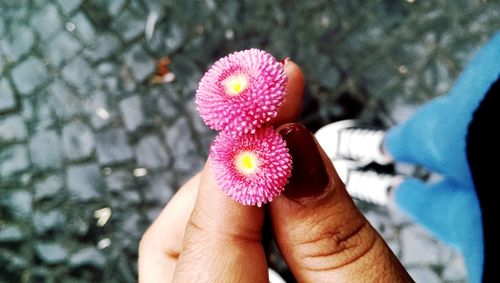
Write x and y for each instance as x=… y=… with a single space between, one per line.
x=241 y=91
x=252 y=168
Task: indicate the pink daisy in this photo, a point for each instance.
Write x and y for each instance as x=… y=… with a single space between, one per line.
x=241 y=91
x=252 y=168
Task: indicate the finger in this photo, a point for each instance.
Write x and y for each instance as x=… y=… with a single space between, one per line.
x=289 y=110
x=223 y=239
x=320 y=232
x=161 y=243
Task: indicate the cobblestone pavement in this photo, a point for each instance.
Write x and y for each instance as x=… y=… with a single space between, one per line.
x=92 y=144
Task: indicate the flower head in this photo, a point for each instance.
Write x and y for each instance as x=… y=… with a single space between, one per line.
x=241 y=91
x=252 y=168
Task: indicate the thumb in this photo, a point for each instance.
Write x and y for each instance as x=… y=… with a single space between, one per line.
x=320 y=232
x=222 y=242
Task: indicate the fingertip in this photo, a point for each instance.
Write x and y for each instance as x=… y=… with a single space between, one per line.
x=289 y=110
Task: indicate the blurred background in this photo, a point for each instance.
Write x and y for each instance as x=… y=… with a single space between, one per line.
x=98 y=126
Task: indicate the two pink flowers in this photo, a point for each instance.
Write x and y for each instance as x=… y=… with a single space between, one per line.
x=238 y=96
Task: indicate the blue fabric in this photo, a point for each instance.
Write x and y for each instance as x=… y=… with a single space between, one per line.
x=435 y=137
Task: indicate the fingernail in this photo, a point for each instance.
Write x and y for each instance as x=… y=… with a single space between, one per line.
x=309 y=176
x=285 y=60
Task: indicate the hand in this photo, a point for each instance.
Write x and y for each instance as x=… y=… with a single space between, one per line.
x=204 y=236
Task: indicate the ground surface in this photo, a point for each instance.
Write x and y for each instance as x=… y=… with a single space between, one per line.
x=84 y=132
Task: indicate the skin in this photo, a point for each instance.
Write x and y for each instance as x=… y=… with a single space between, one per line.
x=204 y=236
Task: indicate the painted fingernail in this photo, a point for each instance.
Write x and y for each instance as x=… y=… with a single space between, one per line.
x=309 y=176
x=285 y=60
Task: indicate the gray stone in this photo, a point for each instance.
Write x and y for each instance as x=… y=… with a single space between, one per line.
x=19 y=42
x=29 y=75
x=119 y=180
x=18 y=202
x=151 y=153
x=45 y=117
x=64 y=102
x=13 y=160
x=112 y=147
x=46 y=21
x=129 y=25
x=419 y=247
x=87 y=256
x=166 y=108
x=51 y=253
x=12 y=128
x=62 y=48
x=160 y=188
x=181 y=143
x=455 y=269
x=48 y=187
x=80 y=74
x=84 y=182
x=45 y=221
x=45 y=150
x=78 y=140
x=140 y=63
x=83 y=27
x=104 y=46
x=68 y=6
x=97 y=107
x=27 y=109
x=11 y=233
x=424 y=274
x=132 y=112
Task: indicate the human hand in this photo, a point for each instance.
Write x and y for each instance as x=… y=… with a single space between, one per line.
x=202 y=235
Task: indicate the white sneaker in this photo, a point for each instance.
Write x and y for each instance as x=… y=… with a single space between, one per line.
x=368 y=186
x=348 y=140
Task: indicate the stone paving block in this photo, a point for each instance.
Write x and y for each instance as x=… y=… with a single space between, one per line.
x=48 y=187
x=181 y=143
x=29 y=75
x=119 y=180
x=83 y=27
x=424 y=274
x=141 y=64
x=84 y=182
x=419 y=247
x=132 y=112
x=46 y=21
x=64 y=102
x=81 y=75
x=104 y=46
x=18 y=203
x=13 y=159
x=12 y=128
x=112 y=147
x=455 y=269
x=2 y=26
x=129 y=25
x=68 y=6
x=44 y=221
x=159 y=188
x=151 y=153
x=78 y=140
x=46 y=150
x=87 y=256
x=98 y=110
x=19 y=41
x=51 y=253
x=63 y=47
x=11 y=233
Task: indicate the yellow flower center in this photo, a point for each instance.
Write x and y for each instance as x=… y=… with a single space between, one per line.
x=247 y=162
x=235 y=84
